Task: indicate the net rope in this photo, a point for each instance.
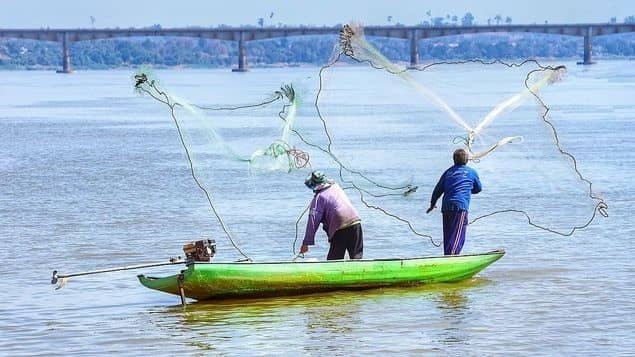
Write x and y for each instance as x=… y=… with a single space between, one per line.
x=353 y=47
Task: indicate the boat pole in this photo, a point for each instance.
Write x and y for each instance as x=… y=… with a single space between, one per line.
x=180 y=279
x=172 y=261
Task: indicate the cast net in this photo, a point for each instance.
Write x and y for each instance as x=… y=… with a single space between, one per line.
x=386 y=132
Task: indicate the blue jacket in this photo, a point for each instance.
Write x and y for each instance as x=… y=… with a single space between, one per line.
x=456 y=184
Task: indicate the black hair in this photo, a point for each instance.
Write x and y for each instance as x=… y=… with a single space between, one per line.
x=460 y=157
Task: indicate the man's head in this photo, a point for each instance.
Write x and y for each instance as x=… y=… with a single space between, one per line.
x=317 y=181
x=460 y=157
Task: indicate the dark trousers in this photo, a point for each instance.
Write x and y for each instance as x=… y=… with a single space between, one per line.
x=454 y=225
x=349 y=239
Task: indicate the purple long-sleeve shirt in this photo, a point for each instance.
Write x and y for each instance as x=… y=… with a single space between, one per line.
x=333 y=209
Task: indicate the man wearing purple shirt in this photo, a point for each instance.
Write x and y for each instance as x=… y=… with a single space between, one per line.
x=331 y=207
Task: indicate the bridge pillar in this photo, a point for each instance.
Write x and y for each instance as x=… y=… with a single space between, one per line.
x=414 y=49
x=242 y=54
x=66 y=55
x=588 y=37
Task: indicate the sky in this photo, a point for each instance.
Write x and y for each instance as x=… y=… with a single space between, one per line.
x=140 y=13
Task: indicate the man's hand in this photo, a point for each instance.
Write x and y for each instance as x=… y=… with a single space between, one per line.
x=430 y=209
x=304 y=248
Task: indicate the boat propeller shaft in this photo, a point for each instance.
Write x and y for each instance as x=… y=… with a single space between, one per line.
x=61 y=278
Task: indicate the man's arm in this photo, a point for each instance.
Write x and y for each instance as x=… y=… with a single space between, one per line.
x=478 y=187
x=436 y=193
x=316 y=212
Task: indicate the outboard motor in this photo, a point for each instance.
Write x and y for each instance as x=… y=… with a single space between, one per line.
x=199 y=251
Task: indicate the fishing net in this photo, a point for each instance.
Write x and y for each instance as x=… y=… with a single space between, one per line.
x=232 y=151
x=386 y=132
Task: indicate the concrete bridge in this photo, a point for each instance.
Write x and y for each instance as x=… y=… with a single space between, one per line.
x=244 y=34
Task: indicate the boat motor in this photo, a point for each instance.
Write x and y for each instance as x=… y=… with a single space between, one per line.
x=199 y=251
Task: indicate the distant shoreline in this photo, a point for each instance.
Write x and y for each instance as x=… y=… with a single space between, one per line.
x=172 y=52
x=285 y=65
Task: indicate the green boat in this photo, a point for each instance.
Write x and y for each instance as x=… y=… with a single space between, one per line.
x=208 y=281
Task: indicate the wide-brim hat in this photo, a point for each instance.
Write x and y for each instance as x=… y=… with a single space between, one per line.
x=317 y=180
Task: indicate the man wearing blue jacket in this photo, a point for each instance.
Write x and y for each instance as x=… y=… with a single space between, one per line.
x=456 y=185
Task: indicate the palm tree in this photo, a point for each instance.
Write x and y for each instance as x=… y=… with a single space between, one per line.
x=498 y=19
x=261 y=22
x=508 y=20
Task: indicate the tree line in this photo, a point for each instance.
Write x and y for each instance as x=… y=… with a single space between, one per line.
x=316 y=50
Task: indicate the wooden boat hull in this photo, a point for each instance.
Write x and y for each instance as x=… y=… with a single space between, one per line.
x=206 y=281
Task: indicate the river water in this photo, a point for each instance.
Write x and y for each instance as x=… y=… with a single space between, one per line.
x=93 y=176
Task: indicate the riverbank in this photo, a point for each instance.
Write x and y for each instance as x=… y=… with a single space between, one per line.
x=175 y=52
x=284 y=65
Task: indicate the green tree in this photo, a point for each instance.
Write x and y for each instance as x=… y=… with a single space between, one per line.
x=438 y=21
x=467 y=19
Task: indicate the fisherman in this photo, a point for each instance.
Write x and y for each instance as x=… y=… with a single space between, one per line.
x=456 y=185
x=331 y=207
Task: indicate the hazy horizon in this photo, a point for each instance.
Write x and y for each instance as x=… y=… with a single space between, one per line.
x=119 y=13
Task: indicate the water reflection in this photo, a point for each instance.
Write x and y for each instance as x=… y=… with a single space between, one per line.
x=333 y=318
x=325 y=323
x=453 y=300
x=454 y=306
